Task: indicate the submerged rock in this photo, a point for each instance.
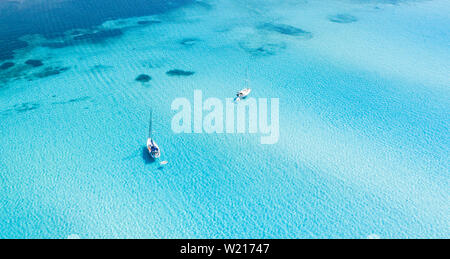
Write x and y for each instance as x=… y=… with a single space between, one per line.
x=178 y=72
x=143 y=78
x=343 y=18
x=286 y=30
x=7 y=65
x=34 y=63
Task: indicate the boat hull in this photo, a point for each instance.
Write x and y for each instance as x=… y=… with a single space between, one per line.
x=153 y=148
x=244 y=93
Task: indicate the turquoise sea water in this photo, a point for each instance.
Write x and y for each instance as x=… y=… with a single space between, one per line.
x=364 y=120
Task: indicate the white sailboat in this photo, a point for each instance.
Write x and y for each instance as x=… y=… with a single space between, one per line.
x=242 y=94
x=153 y=148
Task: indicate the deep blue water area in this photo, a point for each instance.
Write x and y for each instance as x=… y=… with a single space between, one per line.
x=53 y=18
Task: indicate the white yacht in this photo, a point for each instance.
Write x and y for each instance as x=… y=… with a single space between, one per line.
x=242 y=94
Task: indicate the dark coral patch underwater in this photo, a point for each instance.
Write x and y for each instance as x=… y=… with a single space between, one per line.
x=34 y=63
x=97 y=37
x=51 y=71
x=179 y=72
x=342 y=18
x=189 y=41
x=11 y=72
x=8 y=46
x=143 y=78
x=286 y=30
x=100 y=36
x=93 y=38
x=6 y=65
x=264 y=49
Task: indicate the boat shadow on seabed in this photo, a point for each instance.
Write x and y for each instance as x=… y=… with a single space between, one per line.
x=148 y=159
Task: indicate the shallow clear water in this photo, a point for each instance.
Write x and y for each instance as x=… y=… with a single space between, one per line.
x=364 y=120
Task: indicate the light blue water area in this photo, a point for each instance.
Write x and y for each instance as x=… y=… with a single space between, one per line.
x=364 y=123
